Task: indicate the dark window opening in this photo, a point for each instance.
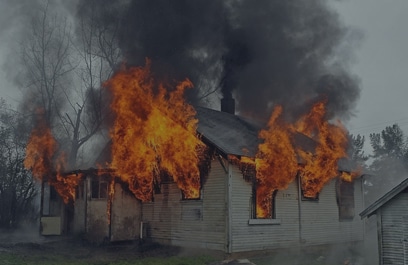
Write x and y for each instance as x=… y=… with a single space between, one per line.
x=345 y=199
x=53 y=194
x=156 y=187
x=99 y=189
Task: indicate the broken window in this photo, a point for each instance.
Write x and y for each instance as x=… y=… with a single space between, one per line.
x=345 y=199
x=263 y=207
x=99 y=189
x=308 y=187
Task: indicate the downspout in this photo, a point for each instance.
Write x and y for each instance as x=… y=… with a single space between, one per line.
x=229 y=209
x=300 y=208
x=141 y=223
x=41 y=205
x=111 y=192
x=86 y=196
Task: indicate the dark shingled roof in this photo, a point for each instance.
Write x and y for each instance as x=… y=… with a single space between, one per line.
x=234 y=135
x=231 y=134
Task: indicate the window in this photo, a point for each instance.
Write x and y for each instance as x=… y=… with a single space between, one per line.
x=53 y=194
x=263 y=207
x=99 y=189
x=263 y=212
x=345 y=199
x=308 y=187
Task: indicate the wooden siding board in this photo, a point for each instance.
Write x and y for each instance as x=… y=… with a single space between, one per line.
x=195 y=223
x=259 y=237
x=319 y=220
x=393 y=221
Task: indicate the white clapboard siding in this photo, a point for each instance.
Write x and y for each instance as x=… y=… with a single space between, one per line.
x=394 y=217
x=320 y=219
x=192 y=223
x=247 y=237
x=299 y=223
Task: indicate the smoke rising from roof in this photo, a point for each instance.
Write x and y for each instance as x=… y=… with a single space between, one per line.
x=262 y=52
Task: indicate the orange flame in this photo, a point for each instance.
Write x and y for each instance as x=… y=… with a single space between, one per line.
x=40 y=151
x=154 y=133
x=277 y=161
x=320 y=167
x=42 y=159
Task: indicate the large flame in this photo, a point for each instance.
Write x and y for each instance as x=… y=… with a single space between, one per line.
x=280 y=158
x=46 y=163
x=276 y=162
x=322 y=165
x=154 y=133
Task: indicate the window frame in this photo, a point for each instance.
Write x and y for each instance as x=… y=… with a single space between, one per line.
x=345 y=202
x=254 y=219
x=100 y=184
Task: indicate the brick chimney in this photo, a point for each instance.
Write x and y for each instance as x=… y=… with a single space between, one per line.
x=228 y=104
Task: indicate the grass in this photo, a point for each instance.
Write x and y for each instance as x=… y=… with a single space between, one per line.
x=16 y=259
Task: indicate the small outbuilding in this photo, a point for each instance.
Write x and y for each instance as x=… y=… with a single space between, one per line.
x=391 y=211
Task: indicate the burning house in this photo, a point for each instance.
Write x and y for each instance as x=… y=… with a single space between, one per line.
x=197 y=177
x=209 y=179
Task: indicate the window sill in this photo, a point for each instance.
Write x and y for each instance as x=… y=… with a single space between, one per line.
x=264 y=221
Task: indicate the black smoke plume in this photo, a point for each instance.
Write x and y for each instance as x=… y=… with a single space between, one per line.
x=262 y=52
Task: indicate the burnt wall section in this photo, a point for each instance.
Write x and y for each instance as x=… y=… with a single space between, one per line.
x=190 y=223
x=102 y=221
x=125 y=216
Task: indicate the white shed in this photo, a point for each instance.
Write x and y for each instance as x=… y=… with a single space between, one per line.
x=391 y=211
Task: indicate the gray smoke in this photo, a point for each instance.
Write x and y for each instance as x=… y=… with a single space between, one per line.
x=262 y=52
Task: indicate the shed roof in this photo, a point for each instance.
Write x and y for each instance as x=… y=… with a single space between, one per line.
x=372 y=209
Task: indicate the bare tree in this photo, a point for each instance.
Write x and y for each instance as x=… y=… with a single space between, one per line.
x=17 y=187
x=46 y=61
x=63 y=73
x=97 y=55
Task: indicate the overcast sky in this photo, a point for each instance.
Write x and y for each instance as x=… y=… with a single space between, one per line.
x=381 y=61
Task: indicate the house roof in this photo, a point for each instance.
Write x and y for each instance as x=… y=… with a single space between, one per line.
x=230 y=133
x=234 y=135
x=372 y=209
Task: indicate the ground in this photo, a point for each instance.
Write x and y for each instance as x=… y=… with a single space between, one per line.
x=26 y=247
